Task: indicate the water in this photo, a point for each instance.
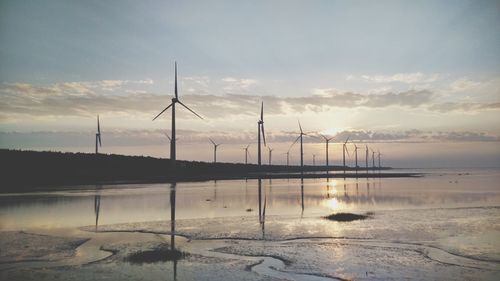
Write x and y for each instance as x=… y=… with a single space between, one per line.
x=443 y=225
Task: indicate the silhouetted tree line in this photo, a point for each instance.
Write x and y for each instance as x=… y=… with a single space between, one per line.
x=31 y=169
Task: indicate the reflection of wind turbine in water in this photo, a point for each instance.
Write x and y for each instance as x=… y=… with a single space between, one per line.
x=172 y=226
x=260 y=128
x=327 y=187
x=97 y=205
x=215 y=149
x=175 y=100
x=98 y=137
x=302 y=197
x=247 y=154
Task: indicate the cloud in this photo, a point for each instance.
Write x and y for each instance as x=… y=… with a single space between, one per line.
x=409 y=78
x=463 y=84
x=110 y=96
x=134 y=137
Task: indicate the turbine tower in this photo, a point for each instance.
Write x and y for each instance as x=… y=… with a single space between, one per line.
x=260 y=128
x=175 y=100
x=344 y=149
x=356 y=156
x=301 y=145
x=314 y=159
x=169 y=138
x=247 y=154
x=366 y=159
x=215 y=149
x=379 y=166
x=270 y=154
x=373 y=159
x=287 y=157
x=327 y=140
x=98 y=136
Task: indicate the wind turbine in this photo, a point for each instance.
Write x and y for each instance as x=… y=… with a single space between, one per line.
x=215 y=149
x=98 y=136
x=373 y=159
x=356 y=156
x=301 y=145
x=366 y=158
x=270 y=154
x=169 y=138
x=379 y=166
x=247 y=154
x=175 y=100
x=287 y=157
x=260 y=127
x=344 y=149
x=327 y=140
x=314 y=159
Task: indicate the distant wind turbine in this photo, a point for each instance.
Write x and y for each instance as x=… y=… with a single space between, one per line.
x=344 y=149
x=98 y=136
x=287 y=157
x=379 y=166
x=327 y=140
x=314 y=159
x=270 y=154
x=247 y=154
x=373 y=159
x=366 y=159
x=356 y=156
x=175 y=100
x=215 y=149
x=260 y=128
x=301 y=145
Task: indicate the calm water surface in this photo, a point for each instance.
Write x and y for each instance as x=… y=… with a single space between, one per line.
x=214 y=199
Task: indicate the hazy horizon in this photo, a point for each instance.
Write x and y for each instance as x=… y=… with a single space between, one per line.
x=425 y=91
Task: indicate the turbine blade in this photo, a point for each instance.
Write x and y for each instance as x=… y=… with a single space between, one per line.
x=262 y=111
x=100 y=143
x=347 y=139
x=176 y=94
x=347 y=149
x=263 y=134
x=300 y=126
x=212 y=141
x=162 y=111
x=297 y=139
x=98 y=125
x=190 y=110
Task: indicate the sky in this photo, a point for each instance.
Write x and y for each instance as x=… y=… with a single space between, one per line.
x=417 y=80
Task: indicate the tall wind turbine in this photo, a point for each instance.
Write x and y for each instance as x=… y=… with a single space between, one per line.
x=314 y=159
x=247 y=154
x=260 y=128
x=301 y=145
x=287 y=157
x=344 y=149
x=98 y=136
x=215 y=149
x=327 y=140
x=175 y=100
x=270 y=154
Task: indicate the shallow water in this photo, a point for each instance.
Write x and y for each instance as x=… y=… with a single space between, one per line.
x=447 y=222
